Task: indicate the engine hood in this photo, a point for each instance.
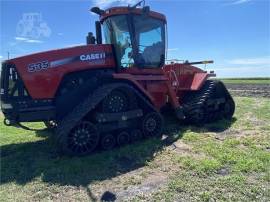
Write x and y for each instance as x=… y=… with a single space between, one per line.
x=42 y=72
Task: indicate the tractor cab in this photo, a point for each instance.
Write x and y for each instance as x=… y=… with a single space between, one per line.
x=137 y=34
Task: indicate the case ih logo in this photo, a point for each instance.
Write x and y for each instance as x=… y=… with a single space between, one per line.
x=93 y=58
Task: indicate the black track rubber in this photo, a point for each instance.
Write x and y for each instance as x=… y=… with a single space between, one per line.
x=78 y=113
x=196 y=103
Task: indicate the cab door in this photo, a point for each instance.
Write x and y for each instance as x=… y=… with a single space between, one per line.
x=144 y=57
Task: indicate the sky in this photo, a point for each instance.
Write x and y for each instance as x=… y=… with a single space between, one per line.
x=233 y=33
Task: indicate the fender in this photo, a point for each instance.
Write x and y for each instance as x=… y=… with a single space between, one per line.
x=198 y=80
x=130 y=78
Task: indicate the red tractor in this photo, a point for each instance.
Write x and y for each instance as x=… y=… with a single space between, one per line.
x=111 y=93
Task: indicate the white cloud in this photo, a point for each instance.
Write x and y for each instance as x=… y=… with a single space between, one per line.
x=109 y=3
x=241 y=1
x=173 y=49
x=237 y=2
x=250 y=61
x=20 y=39
x=27 y=40
x=244 y=67
x=247 y=71
x=1 y=56
x=60 y=34
x=33 y=41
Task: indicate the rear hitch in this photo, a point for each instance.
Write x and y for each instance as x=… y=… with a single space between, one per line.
x=8 y=122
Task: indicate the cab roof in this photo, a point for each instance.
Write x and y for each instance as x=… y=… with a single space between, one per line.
x=128 y=10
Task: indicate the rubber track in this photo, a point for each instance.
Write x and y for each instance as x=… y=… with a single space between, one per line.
x=197 y=101
x=88 y=104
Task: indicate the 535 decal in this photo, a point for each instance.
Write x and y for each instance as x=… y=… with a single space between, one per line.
x=35 y=67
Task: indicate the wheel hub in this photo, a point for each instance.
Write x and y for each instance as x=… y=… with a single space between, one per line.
x=83 y=138
x=108 y=142
x=151 y=124
x=123 y=138
x=116 y=102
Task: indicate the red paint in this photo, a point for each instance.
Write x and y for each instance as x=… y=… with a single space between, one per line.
x=125 y=10
x=160 y=85
x=44 y=84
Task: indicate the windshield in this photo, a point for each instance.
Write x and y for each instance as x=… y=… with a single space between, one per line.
x=140 y=42
x=116 y=31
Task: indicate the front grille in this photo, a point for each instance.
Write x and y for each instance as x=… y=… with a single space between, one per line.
x=12 y=86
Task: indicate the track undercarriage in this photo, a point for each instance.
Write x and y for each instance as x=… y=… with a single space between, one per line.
x=110 y=116
x=117 y=114
x=211 y=103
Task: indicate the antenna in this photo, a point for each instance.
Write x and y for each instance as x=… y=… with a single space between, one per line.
x=138 y=4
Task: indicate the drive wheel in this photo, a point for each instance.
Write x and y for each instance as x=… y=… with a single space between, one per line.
x=152 y=124
x=123 y=138
x=229 y=108
x=108 y=142
x=83 y=139
x=116 y=101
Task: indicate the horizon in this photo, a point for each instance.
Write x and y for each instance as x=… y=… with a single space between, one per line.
x=233 y=33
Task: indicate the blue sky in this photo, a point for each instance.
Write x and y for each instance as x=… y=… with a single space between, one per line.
x=234 y=33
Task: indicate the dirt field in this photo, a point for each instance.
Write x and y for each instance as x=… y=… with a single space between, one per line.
x=222 y=161
x=249 y=90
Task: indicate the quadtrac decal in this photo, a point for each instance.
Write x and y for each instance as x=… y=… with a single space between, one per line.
x=93 y=58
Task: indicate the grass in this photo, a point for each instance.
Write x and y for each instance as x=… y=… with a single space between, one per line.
x=265 y=80
x=222 y=161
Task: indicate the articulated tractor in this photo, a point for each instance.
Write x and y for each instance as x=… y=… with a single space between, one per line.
x=112 y=90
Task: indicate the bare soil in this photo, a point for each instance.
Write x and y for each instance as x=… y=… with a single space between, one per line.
x=249 y=90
